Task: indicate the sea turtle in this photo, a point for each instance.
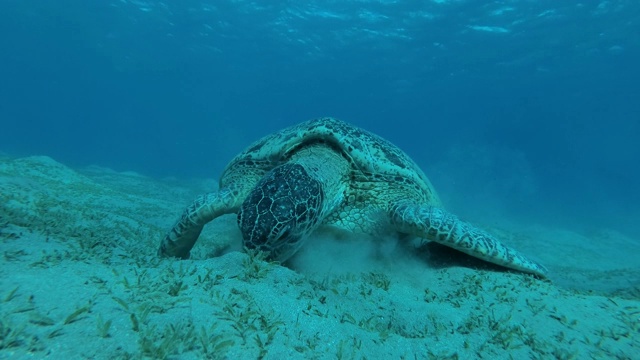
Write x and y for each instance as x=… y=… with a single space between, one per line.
x=326 y=172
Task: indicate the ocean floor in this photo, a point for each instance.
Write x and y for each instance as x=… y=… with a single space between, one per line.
x=80 y=279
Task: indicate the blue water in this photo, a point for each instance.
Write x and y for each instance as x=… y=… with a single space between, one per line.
x=530 y=108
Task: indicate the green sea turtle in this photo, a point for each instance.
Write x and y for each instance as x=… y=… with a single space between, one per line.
x=326 y=172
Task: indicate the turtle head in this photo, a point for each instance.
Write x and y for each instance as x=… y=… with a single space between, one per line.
x=281 y=210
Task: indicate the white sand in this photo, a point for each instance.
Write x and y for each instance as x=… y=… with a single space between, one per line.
x=80 y=279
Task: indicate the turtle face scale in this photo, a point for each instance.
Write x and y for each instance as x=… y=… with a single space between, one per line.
x=280 y=211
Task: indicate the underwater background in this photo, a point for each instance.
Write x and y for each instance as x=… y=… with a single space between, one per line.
x=116 y=114
x=527 y=108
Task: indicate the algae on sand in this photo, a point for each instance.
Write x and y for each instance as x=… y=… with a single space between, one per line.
x=79 y=262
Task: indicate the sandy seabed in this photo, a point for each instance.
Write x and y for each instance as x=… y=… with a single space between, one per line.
x=80 y=279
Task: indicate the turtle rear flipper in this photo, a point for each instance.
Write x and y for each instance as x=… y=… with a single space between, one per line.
x=180 y=239
x=435 y=224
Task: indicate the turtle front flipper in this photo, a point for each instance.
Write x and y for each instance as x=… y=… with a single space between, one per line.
x=437 y=225
x=184 y=234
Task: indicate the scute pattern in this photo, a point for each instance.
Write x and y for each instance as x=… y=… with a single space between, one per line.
x=374 y=159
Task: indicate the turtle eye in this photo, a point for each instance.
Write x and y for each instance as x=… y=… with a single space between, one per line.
x=284 y=234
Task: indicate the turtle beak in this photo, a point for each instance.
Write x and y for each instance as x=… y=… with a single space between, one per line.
x=284 y=244
x=279 y=244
